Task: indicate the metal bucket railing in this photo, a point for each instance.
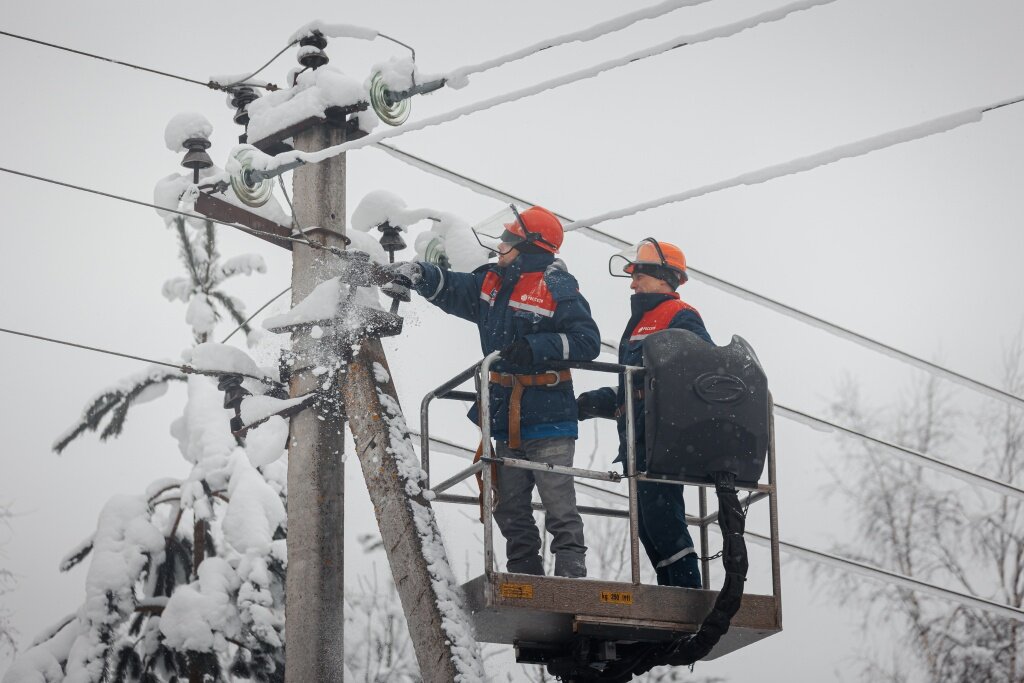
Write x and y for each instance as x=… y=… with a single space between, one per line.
x=479 y=372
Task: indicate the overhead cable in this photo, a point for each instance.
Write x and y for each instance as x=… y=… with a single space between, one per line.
x=842 y=563
x=942 y=124
x=185 y=368
x=907 y=454
x=256 y=313
x=886 y=576
x=186 y=214
x=903 y=453
x=207 y=84
x=720 y=284
x=457 y=78
x=704 y=36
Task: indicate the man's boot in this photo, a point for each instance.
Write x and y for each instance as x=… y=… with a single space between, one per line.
x=571 y=565
x=526 y=565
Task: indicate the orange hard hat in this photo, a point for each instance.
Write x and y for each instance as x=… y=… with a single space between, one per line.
x=542 y=228
x=662 y=260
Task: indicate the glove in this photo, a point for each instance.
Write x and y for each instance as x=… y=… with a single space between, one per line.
x=588 y=405
x=396 y=290
x=405 y=273
x=518 y=353
x=585 y=406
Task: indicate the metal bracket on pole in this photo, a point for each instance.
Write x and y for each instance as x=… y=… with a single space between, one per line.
x=214 y=207
x=337 y=117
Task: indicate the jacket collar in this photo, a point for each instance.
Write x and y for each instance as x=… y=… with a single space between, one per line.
x=641 y=303
x=531 y=263
x=526 y=263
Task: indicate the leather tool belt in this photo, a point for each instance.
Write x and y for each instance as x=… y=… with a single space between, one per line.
x=518 y=383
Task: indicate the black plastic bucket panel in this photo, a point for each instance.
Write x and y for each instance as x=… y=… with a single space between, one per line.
x=706 y=407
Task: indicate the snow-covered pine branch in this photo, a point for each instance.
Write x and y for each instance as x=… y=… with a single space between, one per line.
x=115 y=401
x=187 y=577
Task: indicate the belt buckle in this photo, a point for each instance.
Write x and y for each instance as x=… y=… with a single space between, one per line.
x=554 y=373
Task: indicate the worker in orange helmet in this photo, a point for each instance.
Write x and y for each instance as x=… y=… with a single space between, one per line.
x=528 y=307
x=657 y=270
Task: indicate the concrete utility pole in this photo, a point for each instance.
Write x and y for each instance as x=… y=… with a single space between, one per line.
x=439 y=625
x=315 y=584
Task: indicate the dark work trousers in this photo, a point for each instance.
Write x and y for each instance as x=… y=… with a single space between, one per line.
x=514 y=512
x=663 y=532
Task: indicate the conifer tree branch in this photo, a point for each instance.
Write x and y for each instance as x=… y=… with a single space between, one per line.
x=187 y=255
x=229 y=305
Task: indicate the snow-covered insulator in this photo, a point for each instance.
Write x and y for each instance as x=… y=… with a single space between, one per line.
x=196 y=158
x=391 y=239
x=250 y=190
x=391 y=111
x=435 y=253
x=311 y=51
x=234 y=394
x=241 y=97
x=393 y=106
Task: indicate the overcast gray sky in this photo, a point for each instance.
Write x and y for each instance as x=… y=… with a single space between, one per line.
x=917 y=246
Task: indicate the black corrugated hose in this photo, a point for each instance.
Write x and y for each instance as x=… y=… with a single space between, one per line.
x=691 y=648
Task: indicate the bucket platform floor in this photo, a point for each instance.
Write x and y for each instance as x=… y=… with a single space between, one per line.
x=526 y=609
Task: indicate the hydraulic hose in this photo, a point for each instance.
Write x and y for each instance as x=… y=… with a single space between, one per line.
x=690 y=648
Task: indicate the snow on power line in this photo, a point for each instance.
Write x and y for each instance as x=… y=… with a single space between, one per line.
x=724 y=31
x=722 y=285
x=942 y=124
x=459 y=78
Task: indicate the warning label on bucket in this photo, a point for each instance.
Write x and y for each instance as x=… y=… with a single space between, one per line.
x=617 y=597
x=522 y=591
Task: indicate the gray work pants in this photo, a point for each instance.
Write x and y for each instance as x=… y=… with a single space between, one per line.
x=514 y=512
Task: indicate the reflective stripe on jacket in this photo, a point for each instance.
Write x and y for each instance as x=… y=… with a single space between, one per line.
x=534 y=299
x=650 y=313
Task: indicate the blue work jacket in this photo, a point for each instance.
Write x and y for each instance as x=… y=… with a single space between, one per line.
x=534 y=299
x=650 y=313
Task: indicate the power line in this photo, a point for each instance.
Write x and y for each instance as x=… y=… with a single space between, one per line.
x=720 y=284
x=186 y=214
x=257 y=71
x=942 y=124
x=213 y=85
x=91 y=348
x=902 y=452
x=842 y=563
x=723 y=31
x=457 y=78
x=258 y=311
x=908 y=454
x=886 y=576
x=187 y=369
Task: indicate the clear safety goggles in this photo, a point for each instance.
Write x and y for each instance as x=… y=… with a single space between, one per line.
x=646 y=252
x=495 y=232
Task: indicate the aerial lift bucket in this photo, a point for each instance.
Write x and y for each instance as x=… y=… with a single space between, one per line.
x=584 y=629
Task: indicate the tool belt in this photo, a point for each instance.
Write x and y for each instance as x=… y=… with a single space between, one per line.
x=518 y=383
